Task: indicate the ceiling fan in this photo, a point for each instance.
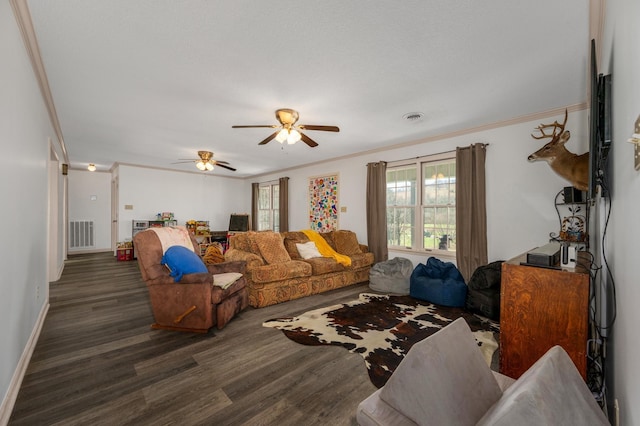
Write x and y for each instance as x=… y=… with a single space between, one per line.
x=206 y=162
x=288 y=130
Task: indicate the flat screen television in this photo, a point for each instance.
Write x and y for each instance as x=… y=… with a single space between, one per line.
x=600 y=127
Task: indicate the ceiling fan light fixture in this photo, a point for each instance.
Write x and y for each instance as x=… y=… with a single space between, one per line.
x=206 y=163
x=283 y=135
x=294 y=136
x=91 y=167
x=288 y=119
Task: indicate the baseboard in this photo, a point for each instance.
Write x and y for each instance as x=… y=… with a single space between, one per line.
x=16 y=381
x=90 y=251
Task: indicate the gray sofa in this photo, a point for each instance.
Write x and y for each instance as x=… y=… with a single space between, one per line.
x=444 y=380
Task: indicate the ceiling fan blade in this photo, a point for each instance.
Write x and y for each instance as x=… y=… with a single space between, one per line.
x=306 y=139
x=220 y=162
x=268 y=139
x=185 y=161
x=323 y=128
x=269 y=126
x=226 y=167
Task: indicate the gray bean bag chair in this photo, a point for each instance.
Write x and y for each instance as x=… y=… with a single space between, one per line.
x=391 y=276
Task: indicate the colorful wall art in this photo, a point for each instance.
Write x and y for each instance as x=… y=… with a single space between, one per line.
x=323 y=203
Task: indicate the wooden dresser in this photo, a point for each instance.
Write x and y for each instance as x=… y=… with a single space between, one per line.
x=541 y=308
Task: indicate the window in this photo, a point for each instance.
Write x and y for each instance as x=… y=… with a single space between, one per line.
x=421 y=204
x=268 y=207
x=401 y=206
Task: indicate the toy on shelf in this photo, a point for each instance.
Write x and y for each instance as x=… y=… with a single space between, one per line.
x=202 y=228
x=198 y=227
x=125 y=250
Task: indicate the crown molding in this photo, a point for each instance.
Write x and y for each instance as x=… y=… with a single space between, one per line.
x=23 y=19
x=509 y=122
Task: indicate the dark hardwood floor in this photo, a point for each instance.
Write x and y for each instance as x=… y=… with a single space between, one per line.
x=98 y=362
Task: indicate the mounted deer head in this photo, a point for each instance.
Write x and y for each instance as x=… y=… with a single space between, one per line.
x=574 y=168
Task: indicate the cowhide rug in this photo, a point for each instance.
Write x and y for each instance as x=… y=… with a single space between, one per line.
x=382 y=329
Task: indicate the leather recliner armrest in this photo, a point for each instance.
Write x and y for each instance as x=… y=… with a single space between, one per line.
x=199 y=278
x=230 y=266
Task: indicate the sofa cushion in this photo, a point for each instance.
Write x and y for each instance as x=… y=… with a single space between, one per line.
x=550 y=392
x=245 y=241
x=443 y=380
x=325 y=248
x=324 y=265
x=308 y=250
x=280 y=271
x=292 y=238
x=271 y=247
x=361 y=260
x=181 y=260
x=346 y=242
x=292 y=249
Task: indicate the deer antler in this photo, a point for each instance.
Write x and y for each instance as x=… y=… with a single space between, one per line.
x=574 y=168
x=555 y=126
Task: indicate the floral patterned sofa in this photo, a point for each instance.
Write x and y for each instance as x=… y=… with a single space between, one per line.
x=277 y=273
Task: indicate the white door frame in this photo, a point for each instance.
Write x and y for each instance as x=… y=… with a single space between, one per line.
x=114 y=214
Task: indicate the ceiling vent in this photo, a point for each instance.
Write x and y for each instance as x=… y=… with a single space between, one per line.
x=413 y=116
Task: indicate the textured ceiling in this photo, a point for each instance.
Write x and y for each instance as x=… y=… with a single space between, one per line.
x=149 y=82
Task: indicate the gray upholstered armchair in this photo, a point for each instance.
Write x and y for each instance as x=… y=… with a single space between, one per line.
x=199 y=300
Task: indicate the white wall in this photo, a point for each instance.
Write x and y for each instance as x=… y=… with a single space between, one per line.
x=24 y=137
x=83 y=187
x=620 y=55
x=57 y=213
x=199 y=196
x=520 y=195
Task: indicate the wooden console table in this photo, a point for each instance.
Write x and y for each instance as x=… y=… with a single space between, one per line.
x=541 y=308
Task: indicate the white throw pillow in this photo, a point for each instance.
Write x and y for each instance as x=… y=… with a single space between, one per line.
x=308 y=250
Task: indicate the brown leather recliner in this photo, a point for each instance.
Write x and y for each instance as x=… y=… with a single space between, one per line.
x=194 y=304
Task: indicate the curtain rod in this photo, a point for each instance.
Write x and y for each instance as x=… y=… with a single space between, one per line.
x=437 y=153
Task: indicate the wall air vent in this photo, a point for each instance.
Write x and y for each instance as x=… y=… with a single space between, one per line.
x=81 y=234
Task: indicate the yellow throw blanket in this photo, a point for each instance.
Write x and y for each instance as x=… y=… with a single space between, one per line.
x=325 y=249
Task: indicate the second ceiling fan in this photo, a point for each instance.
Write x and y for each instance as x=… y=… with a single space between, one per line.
x=288 y=130
x=206 y=162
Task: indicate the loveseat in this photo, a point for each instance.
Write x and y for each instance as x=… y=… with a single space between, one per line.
x=276 y=272
x=444 y=380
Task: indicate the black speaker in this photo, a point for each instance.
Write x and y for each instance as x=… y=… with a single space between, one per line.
x=572 y=195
